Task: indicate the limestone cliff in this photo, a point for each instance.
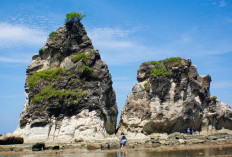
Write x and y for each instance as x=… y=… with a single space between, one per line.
x=69 y=91
x=169 y=97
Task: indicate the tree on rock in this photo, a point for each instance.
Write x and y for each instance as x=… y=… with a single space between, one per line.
x=74 y=16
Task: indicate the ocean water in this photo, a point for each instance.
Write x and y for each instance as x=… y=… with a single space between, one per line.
x=210 y=152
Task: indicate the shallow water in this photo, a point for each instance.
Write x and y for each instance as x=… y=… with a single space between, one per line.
x=210 y=152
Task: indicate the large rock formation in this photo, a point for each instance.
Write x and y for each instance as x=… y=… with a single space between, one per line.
x=170 y=96
x=69 y=91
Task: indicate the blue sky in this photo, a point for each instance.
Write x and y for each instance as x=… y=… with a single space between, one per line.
x=127 y=33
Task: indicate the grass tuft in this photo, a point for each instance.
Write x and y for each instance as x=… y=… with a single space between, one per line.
x=156 y=72
x=48 y=92
x=213 y=98
x=147 y=86
x=53 y=35
x=80 y=56
x=45 y=74
x=41 y=51
x=173 y=61
x=86 y=70
x=159 y=70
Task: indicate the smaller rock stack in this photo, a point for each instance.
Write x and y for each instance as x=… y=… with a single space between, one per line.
x=171 y=96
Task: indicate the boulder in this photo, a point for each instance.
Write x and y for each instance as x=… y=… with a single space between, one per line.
x=77 y=140
x=38 y=147
x=114 y=145
x=10 y=139
x=105 y=146
x=56 y=148
x=171 y=96
x=93 y=146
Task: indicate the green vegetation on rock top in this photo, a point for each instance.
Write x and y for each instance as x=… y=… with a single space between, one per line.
x=173 y=61
x=159 y=71
x=161 y=67
x=74 y=16
x=45 y=74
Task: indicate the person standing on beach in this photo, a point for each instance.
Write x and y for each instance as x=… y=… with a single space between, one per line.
x=123 y=141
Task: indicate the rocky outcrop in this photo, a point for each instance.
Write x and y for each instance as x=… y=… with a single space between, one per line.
x=170 y=96
x=8 y=139
x=69 y=91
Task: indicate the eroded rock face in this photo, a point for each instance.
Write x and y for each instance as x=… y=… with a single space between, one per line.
x=69 y=91
x=9 y=139
x=169 y=97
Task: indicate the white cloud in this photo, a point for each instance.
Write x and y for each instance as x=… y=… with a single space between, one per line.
x=117 y=47
x=18 y=35
x=111 y=37
x=108 y=33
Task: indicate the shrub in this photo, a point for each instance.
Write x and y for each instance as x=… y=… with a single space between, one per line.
x=173 y=61
x=151 y=62
x=92 y=51
x=86 y=70
x=41 y=51
x=159 y=71
x=161 y=67
x=74 y=16
x=147 y=86
x=213 y=98
x=45 y=74
x=80 y=56
x=53 y=35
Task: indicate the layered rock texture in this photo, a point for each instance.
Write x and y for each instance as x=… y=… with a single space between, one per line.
x=170 y=96
x=69 y=92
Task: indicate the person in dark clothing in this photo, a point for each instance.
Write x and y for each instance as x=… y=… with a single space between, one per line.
x=191 y=131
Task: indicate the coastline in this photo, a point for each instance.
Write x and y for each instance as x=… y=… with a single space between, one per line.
x=174 y=142
x=157 y=149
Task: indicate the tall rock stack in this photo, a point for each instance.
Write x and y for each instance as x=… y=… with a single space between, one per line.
x=69 y=92
x=170 y=96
